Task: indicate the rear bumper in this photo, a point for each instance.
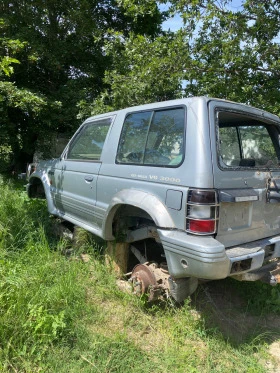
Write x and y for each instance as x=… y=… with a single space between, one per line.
x=269 y=273
x=205 y=257
x=193 y=256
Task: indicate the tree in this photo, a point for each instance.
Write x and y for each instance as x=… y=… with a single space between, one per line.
x=62 y=58
x=235 y=52
x=13 y=98
x=142 y=71
x=221 y=51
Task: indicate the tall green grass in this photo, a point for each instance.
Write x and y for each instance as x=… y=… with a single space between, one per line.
x=40 y=291
x=58 y=314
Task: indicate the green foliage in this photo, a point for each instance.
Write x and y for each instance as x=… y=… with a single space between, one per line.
x=101 y=56
x=12 y=46
x=14 y=98
x=20 y=98
x=221 y=51
x=142 y=71
x=63 y=315
x=235 y=53
x=261 y=297
x=60 y=47
x=6 y=65
x=39 y=290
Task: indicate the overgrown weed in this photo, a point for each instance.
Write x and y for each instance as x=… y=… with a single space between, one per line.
x=40 y=292
x=261 y=297
x=58 y=314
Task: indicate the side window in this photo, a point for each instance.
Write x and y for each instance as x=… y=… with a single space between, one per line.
x=165 y=140
x=153 y=138
x=133 y=138
x=88 y=143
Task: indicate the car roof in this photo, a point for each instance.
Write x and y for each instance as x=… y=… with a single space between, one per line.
x=184 y=101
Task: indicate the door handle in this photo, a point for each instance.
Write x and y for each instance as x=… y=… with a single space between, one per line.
x=89 y=179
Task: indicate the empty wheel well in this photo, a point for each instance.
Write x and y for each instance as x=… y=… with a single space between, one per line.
x=150 y=251
x=128 y=217
x=36 y=189
x=138 y=224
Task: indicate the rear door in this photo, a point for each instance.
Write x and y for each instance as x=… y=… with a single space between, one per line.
x=246 y=154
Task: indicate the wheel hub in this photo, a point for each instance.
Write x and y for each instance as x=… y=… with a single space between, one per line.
x=142 y=279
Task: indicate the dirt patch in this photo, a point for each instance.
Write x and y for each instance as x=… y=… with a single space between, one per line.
x=274 y=350
x=223 y=307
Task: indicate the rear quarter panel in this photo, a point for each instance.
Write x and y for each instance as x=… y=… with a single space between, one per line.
x=162 y=182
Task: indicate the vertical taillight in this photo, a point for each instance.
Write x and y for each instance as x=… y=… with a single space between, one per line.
x=202 y=211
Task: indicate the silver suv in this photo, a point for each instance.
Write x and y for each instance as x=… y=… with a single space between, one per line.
x=192 y=186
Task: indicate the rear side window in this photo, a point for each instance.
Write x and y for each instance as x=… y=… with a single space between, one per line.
x=153 y=138
x=247 y=142
x=88 y=143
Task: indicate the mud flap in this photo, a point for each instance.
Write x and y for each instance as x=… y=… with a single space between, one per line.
x=181 y=288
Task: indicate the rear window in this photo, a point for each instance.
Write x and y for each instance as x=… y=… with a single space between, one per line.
x=245 y=141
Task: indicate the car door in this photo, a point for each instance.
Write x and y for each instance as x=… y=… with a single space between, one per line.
x=75 y=175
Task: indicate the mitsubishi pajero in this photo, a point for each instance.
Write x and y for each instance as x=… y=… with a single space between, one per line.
x=193 y=185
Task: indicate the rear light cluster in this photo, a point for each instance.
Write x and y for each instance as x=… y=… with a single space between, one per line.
x=202 y=211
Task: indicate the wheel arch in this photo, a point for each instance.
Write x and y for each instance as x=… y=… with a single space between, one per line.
x=151 y=205
x=36 y=188
x=39 y=187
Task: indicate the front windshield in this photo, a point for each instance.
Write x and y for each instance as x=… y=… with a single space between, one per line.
x=244 y=141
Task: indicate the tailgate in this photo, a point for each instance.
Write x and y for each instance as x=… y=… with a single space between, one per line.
x=246 y=154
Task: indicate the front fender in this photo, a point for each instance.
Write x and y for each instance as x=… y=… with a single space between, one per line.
x=41 y=175
x=144 y=201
